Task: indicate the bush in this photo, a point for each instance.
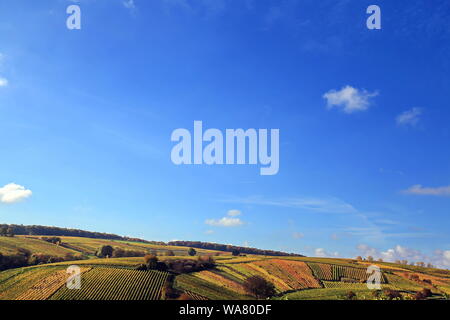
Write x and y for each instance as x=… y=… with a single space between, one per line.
x=393 y=294
x=259 y=287
x=350 y=295
x=192 y=252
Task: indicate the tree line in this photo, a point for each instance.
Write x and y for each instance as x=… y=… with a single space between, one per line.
x=230 y=248
x=33 y=230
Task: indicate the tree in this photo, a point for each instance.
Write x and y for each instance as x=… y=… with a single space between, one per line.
x=192 y=252
x=105 y=251
x=235 y=252
x=3 y=231
x=10 y=232
x=370 y=258
x=259 y=287
x=151 y=262
x=359 y=258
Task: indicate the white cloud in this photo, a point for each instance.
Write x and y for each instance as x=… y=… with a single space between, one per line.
x=12 y=193
x=410 y=117
x=129 y=4
x=322 y=253
x=209 y=231
x=419 y=190
x=224 y=222
x=234 y=213
x=349 y=99
x=298 y=235
x=3 y=82
x=439 y=259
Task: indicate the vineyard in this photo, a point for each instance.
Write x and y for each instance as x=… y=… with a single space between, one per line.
x=44 y=288
x=116 y=284
x=322 y=271
x=341 y=273
x=119 y=279
x=208 y=289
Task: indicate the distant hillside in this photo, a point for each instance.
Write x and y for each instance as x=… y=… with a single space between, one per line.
x=230 y=248
x=56 y=231
x=36 y=230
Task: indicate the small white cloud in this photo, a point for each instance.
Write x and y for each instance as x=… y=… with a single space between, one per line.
x=298 y=235
x=409 y=118
x=419 y=190
x=224 y=222
x=209 y=231
x=3 y=82
x=349 y=99
x=129 y=4
x=12 y=193
x=322 y=253
x=234 y=213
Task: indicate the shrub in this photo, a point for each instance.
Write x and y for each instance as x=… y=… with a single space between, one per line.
x=393 y=294
x=350 y=295
x=259 y=287
x=192 y=252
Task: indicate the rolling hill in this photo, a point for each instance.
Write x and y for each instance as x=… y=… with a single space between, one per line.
x=124 y=279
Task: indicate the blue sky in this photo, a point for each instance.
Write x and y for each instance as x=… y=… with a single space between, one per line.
x=87 y=115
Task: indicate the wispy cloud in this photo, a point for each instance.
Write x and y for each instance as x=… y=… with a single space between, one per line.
x=349 y=99
x=325 y=205
x=409 y=117
x=233 y=213
x=129 y=4
x=12 y=193
x=422 y=191
x=298 y=235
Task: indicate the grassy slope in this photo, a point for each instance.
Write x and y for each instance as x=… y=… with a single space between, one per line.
x=88 y=246
x=9 y=246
